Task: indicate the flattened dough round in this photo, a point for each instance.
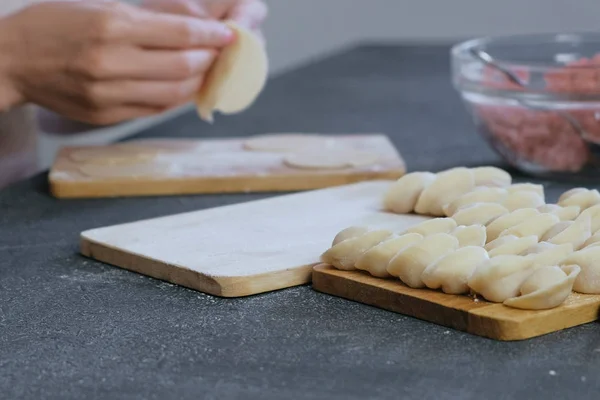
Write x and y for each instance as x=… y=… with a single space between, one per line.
x=288 y=142
x=331 y=159
x=237 y=76
x=125 y=171
x=113 y=155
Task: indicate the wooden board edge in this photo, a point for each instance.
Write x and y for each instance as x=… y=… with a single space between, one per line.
x=213 y=185
x=476 y=320
x=242 y=286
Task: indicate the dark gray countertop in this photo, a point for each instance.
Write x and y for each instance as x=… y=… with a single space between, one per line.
x=71 y=328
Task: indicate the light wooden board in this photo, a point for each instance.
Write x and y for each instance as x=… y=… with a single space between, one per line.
x=247 y=248
x=218 y=166
x=482 y=318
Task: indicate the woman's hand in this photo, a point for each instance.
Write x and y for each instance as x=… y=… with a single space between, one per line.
x=247 y=13
x=104 y=62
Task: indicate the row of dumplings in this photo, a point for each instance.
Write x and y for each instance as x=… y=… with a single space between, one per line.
x=498 y=239
x=438 y=254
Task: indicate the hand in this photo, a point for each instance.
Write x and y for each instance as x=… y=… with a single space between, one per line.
x=247 y=13
x=104 y=62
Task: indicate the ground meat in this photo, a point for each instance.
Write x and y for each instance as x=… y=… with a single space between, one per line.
x=542 y=137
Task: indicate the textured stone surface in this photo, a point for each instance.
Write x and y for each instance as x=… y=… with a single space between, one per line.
x=72 y=328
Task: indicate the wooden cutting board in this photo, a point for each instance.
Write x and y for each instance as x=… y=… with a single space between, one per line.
x=244 y=249
x=208 y=166
x=482 y=318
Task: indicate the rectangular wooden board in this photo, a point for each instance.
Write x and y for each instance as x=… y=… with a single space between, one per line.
x=482 y=318
x=247 y=248
x=187 y=166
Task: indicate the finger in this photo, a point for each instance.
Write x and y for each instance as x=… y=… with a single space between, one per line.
x=180 y=7
x=135 y=63
x=147 y=93
x=249 y=13
x=165 y=31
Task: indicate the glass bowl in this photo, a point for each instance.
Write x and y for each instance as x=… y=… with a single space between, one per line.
x=536 y=100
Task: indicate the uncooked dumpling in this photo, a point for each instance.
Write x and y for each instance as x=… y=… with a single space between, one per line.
x=237 y=76
x=500 y=278
x=513 y=246
x=348 y=233
x=563 y=213
x=409 y=264
x=452 y=271
x=499 y=241
x=588 y=281
x=403 y=194
x=593 y=213
x=448 y=186
x=376 y=259
x=472 y=235
x=491 y=176
x=573 y=232
x=333 y=159
x=478 y=213
x=432 y=226
x=344 y=254
x=536 y=225
x=581 y=197
x=547 y=287
x=522 y=199
x=532 y=187
x=593 y=240
x=496 y=227
x=545 y=253
x=478 y=195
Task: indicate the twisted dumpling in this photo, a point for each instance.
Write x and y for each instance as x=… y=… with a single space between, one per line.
x=404 y=193
x=344 y=254
x=545 y=253
x=563 y=213
x=472 y=235
x=478 y=195
x=523 y=199
x=500 y=278
x=547 y=287
x=409 y=264
x=478 y=213
x=531 y=187
x=349 y=233
x=535 y=225
x=588 y=259
x=581 y=197
x=593 y=213
x=491 y=176
x=500 y=224
x=452 y=271
x=432 y=226
x=376 y=259
x=573 y=232
x=447 y=187
x=512 y=245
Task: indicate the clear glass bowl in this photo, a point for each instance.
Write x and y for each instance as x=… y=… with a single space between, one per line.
x=549 y=125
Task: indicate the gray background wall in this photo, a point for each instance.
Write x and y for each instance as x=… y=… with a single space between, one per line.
x=301 y=30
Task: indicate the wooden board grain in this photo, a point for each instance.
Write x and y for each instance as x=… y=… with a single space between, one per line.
x=482 y=318
x=219 y=166
x=247 y=248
